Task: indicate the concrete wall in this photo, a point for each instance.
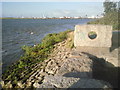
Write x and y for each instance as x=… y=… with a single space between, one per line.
x=103 y=39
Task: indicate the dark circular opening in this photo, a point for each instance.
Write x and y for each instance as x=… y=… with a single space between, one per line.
x=92 y=35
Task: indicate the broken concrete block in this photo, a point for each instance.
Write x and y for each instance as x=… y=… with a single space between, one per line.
x=101 y=37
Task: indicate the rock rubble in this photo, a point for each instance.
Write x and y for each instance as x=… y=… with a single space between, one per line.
x=66 y=69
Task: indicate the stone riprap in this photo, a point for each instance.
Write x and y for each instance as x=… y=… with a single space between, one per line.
x=70 y=68
x=103 y=38
x=71 y=82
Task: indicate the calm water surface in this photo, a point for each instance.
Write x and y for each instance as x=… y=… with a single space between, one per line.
x=19 y=32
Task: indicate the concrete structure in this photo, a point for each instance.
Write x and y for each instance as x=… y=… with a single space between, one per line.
x=103 y=38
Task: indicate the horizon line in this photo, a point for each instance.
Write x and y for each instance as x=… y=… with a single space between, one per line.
x=57 y=0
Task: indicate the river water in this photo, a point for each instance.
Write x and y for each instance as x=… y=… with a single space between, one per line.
x=19 y=32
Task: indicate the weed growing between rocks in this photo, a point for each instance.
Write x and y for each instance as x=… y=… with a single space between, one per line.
x=21 y=70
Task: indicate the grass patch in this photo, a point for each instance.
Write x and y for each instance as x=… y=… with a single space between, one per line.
x=70 y=41
x=21 y=70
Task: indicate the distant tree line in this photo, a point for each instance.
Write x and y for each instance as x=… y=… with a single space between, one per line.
x=111 y=6
x=111 y=15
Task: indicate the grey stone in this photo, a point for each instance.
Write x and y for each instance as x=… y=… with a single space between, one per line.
x=44 y=74
x=20 y=84
x=28 y=83
x=103 y=39
x=8 y=85
x=36 y=85
x=70 y=82
x=51 y=67
x=39 y=78
x=2 y=83
x=71 y=66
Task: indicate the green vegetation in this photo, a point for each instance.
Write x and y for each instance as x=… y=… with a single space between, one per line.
x=109 y=6
x=21 y=70
x=111 y=15
x=92 y=35
x=70 y=41
x=70 y=44
x=110 y=18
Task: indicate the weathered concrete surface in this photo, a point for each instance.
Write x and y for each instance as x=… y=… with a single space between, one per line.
x=103 y=39
x=70 y=82
x=112 y=57
x=79 y=66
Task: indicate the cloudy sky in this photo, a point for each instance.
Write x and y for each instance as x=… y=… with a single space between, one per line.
x=51 y=8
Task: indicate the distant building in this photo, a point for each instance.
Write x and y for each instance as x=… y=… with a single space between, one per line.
x=22 y=17
x=91 y=17
x=61 y=17
x=77 y=17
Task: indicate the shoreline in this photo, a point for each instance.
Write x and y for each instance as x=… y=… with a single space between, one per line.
x=115 y=31
x=28 y=62
x=23 y=36
x=53 y=65
x=47 y=18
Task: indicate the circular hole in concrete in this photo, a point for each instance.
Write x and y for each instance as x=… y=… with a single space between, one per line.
x=92 y=35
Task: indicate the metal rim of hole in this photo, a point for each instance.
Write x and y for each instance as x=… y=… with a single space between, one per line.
x=92 y=35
